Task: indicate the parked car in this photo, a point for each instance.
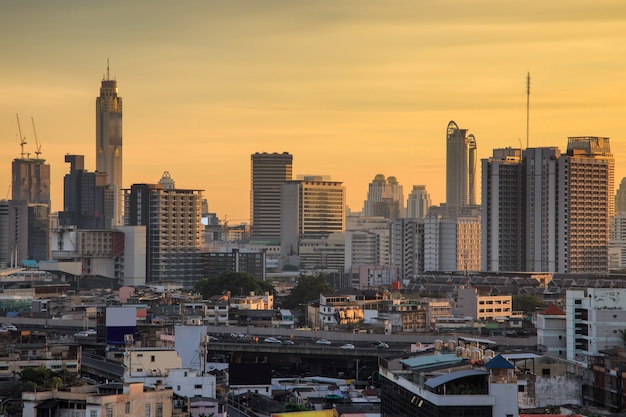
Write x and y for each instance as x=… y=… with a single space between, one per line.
x=382 y=345
x=288 y=342
x=91 y=332
x=10 y=327
x=237 y=335
x=272 y=340
x=323 y=342
x=82 y=333
x=347 y=346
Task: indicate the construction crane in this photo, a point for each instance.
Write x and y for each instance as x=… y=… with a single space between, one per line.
x=22 y=138
x=37 y=144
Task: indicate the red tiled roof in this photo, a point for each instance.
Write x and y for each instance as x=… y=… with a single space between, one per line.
x=552 y=310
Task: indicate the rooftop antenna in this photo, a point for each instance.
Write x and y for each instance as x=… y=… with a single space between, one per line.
x=527 y=106
x=37 y=144
x=108 y=78
x=22 y=138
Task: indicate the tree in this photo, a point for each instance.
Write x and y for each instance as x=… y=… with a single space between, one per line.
x=238 y=283
x=40 y=378
x=307 y=288
x=526 y=303
x=292 y=406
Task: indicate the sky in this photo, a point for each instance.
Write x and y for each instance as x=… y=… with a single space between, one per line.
x=351 y=88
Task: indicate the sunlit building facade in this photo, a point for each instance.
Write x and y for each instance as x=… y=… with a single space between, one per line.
x=109 y=142
x=461 y=164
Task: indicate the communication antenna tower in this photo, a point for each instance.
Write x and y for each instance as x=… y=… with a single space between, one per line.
x=37 y=144
x=527 y=106
x=22 y=138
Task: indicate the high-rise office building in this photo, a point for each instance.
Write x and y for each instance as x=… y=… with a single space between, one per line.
x=503 y=211
x=87 y=198
x=460 y=167
x=109 y=142
x=452 y=243
x=269 y=171
x=385 y=198
x=311 y=207
x=586 y=205
x=418 y=202
x=173 y=220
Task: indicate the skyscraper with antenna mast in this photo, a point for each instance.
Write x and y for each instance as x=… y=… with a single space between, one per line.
x=109 y=142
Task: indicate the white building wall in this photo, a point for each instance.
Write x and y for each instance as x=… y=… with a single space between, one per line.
x=134 y=255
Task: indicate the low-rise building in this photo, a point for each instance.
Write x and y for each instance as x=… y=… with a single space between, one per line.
x=106 y=400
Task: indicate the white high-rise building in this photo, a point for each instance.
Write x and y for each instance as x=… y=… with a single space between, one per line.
x=452 y=243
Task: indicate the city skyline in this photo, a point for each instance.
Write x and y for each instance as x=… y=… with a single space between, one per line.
x=351 y=90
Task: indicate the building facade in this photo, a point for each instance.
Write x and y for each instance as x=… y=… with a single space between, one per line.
x=461 y=161
x=311 y=207
x=173 y=232
x=109 y=142
x=418 y=202
x=502 y=220
x=88 y=201
x=594 y=319
x=586 y=205
x=269 y=171
x=385 y=198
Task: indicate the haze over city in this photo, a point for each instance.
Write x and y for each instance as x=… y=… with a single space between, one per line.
x=351 y=89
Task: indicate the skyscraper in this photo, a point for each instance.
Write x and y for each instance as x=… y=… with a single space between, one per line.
x=540 y=169
x=460 y=168
x=109 y=142
x=173 y=220
x=586 y=205
x=87 y=198
x=269 y=171
x=418 y=202
x=385 y=198
x=502 y=211
x=311 y=207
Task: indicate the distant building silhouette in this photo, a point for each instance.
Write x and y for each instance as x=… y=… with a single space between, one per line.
x=418 y=202
x=87 y=198
x=460 y=167
x=385 y=198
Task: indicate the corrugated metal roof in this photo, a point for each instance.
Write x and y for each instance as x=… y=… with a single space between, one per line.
x=422 y=362
x=442 y=379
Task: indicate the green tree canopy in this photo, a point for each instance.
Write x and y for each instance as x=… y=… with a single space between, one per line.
x=293 y=406
x=40 y=378
x=307 y=288
x=238 y=283
x=527 y=303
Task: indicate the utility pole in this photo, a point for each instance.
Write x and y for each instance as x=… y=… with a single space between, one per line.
x=527 y=106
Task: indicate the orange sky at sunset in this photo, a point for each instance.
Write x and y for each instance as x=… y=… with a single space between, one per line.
x=350 y=88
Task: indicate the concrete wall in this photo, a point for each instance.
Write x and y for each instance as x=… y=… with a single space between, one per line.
x=557 y=390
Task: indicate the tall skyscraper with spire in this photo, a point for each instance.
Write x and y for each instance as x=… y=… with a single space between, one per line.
x=460 y=167
x=109 y=142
